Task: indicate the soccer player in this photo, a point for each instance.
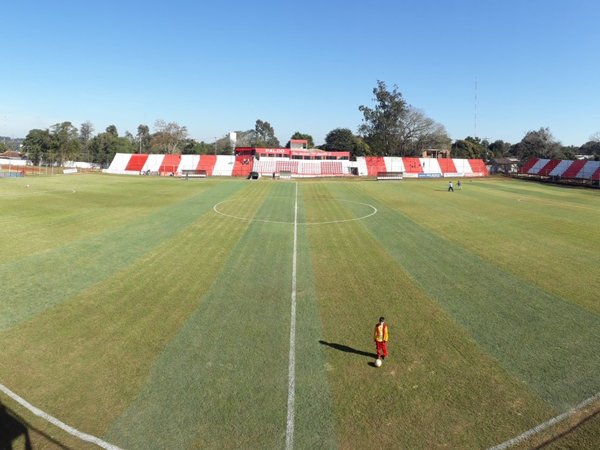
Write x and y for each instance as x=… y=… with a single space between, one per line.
x=381 y=338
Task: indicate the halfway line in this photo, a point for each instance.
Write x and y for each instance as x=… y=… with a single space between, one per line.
x=289 y=431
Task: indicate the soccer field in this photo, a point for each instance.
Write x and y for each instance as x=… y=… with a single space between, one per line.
x=224 y=313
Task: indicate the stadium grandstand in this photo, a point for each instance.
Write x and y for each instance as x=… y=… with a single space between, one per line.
x=296 y=161
x=241 y=165
x=580 y=172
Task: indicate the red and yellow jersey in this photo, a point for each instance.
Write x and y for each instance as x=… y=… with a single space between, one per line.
x=381 y=332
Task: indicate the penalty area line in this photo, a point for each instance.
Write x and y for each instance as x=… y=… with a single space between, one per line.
x=54 y=421
x=544 y=426
x=289 y=431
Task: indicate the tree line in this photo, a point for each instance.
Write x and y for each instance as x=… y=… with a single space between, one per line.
x=390 y=127
x=65 y=142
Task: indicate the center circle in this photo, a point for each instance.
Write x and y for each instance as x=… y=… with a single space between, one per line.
x=371 y=211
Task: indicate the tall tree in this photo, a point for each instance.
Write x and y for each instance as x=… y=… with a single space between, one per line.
x=591 y=148
x=538 y=144
x=361 y=148
x=419 y=133
x=342 y=139
x=264 y=135
x=143 y=138
x=568 y=151
x=86 y=131
x=192 y=147
x=104 y=146
x=394 y=128
x=37 y=145
x=65 y=139
x=382 y=125
x=469 y=148
x=499 y=149
x=223 y=146
x=168 y=136
x=339 y=139
x=112 y=129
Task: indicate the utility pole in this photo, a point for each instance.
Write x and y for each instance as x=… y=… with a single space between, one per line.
x=475 y=130
x=215 y=145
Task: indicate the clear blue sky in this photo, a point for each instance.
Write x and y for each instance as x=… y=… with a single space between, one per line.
x=302 y=66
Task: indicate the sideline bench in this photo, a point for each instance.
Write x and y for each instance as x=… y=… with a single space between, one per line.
x=390 y=175
x=193 y=173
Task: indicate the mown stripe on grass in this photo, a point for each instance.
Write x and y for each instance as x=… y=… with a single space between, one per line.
x=437 y=389
x=553 y=247
x=40 y=281
x=55 y=211
x=314 y=420
x=539 y=191
x=221 y=382
x=543 y=340
x=85 y=360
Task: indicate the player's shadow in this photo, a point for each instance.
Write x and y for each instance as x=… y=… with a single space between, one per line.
x=573 y=428
x=13 y=427
x=346 y=349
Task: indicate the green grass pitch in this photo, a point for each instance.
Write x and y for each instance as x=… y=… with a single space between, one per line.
x=155 y=312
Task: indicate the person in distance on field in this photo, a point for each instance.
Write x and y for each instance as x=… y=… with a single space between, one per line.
x=450 y=188
x=459 y=184
x=381 y=338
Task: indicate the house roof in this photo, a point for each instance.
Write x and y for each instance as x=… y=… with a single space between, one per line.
x=10 y=154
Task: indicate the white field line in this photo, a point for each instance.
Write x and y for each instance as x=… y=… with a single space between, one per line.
x=251 y=219
x=543 y=426
x=54 y=421
x=289 y=431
